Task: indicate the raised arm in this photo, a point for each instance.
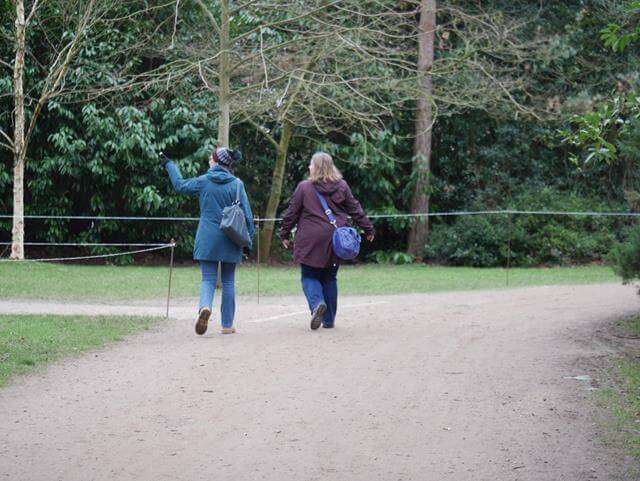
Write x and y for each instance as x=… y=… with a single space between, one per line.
x=182 y=186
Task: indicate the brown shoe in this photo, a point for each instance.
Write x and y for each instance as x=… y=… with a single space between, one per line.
x=228 y=330
x=203 y=320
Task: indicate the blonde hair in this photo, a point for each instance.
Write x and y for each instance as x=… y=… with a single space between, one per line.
x=325 y=170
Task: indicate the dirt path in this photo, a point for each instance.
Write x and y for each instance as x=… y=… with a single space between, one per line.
x=458 y=386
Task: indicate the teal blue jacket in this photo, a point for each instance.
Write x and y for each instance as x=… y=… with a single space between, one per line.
x=215 y=190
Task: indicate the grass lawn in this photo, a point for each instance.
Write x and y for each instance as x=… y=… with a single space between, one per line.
x=65 y=281
x=622 y=401
x=29 y=341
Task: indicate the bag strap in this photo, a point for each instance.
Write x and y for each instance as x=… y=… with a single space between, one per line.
x=238 y=183
x=327 y=210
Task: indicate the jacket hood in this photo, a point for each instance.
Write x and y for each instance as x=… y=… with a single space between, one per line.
x=219 y=175
x=333 y=189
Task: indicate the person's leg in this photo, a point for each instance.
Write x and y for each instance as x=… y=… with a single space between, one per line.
x=330 y=292
x=312 y=288
x=228 y=305
x=209 y=272
x=312 y=285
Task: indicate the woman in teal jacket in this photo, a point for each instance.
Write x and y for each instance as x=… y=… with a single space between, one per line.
x=216 y=189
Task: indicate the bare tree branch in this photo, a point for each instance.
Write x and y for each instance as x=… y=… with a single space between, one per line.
x=55 y=77
x=263 y=131
x=242 y=7
x=175 y=25
x=34 y=8
x=209 y=15
x=284 y=22
x=204 y=80
x=8 y=139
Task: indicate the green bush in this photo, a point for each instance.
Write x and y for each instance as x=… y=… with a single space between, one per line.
x=626 y=257
x=483 y=240
x=390 y=257
x=470 y=241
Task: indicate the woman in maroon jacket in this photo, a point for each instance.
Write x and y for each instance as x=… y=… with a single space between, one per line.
x=312 y=247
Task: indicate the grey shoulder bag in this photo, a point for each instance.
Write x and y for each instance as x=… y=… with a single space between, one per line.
x=234 y=223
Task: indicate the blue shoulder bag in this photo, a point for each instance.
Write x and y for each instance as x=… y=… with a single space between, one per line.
x=346 y=240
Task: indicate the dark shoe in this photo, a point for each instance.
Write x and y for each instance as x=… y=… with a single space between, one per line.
x=328 y=326
x=316 y=315
x=203 y=320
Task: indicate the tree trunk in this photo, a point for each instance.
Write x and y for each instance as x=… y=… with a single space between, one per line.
x=224 y=97
x=424 y=120
x=19 y=150
x=266 y=234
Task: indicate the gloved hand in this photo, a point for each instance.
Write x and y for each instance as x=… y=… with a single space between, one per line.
x=163 y=159
x=246 y=251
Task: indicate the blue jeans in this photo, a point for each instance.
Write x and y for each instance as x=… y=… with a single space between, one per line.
x=209 y=279
x=321 y=285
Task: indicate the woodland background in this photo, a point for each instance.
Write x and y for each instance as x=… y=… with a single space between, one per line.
x=525 y=105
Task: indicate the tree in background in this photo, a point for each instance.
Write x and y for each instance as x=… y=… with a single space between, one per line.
x=57 y=72
x=424 y=123
x=357 y=79
x=134 y=93
x=314 y=68
x=618 y=36
x=330 y=67
x=481 y=62
x=77 y=19
x=610 y=133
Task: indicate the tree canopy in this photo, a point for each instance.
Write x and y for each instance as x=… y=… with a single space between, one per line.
x=523 y=93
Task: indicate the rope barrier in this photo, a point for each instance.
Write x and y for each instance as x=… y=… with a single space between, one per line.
x=372 y=216
x=152 y=247
x=435 y=214
x=101 y=256
x=85 y=244
x=91 y=217
x=573 y=213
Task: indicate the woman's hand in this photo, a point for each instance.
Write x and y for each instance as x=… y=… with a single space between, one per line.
x=286 y=243
x=163 y=159
x=370 y=237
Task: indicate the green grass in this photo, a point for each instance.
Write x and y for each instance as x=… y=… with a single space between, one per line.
x=631 y=326
x=622 y=401
x=30 y=341
x=622 y=404
x=64 y=281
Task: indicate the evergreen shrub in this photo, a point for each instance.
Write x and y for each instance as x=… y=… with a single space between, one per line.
x=483 y=240
x=626 y=257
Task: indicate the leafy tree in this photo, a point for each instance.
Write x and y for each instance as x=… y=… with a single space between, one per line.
x=54 y=71
x=618 y=37
x=610 y=133
x=470 y=59
x=141 y=83
x=314 y=68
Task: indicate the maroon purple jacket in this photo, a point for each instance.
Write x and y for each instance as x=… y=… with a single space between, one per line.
x=312 y=244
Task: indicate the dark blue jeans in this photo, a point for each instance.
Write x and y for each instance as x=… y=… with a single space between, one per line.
x=321 y=285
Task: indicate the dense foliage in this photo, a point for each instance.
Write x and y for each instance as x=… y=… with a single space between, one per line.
x=96 y=154
x=527 y=239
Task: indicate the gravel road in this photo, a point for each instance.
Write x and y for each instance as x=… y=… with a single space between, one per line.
x=458 y=386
